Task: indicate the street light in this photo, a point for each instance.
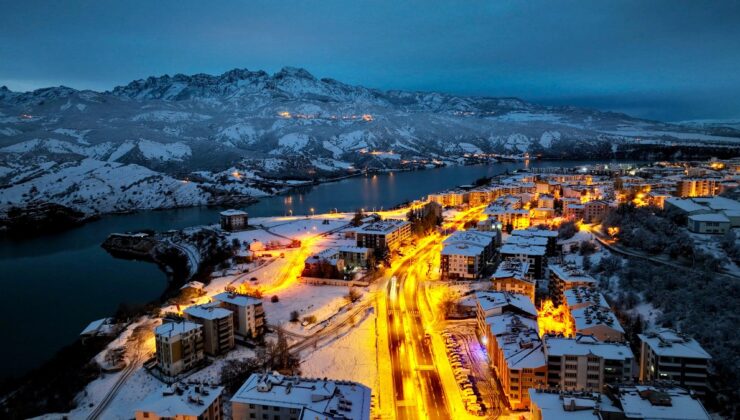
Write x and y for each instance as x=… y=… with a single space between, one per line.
x=312 y=212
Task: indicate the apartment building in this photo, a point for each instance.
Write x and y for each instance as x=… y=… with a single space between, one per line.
x=277 y=397
x=714 y=223
x=512 y=276
x=233 y=220
x=551 y=237
x=465 y=254
x=247 y=312
x=597 y=321
x=572 y=209
x=526 y=252
x=179 y=346
x=183 y=401
x=490 y=303
x=584 y=363
x=697 y=187
x=516 y=353
x=564 y=277
x=355 y=256
x=218 y=327
x=383 y=235
x=594 y=211
x=670 y=355
x=583 y=296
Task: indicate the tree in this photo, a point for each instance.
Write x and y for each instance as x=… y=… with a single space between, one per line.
x=586 y=262
x=567 y=230
x=275 y=299
x=357 y=218
x=235 y=372
x=354 y=294
x=587 y=248
x=294 y=316
x=448 y=304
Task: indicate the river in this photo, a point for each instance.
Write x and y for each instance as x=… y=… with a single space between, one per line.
x=53 y=285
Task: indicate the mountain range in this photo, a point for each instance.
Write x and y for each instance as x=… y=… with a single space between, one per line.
x=187 y=140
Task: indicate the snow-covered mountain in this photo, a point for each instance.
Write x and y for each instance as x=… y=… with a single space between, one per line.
x=184 y=140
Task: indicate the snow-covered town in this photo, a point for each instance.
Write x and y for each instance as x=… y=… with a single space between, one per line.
x=512 y=297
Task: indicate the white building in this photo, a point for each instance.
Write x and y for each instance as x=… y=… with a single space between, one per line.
x=669 y=355
x=278 y=397
x=249 y=316
x=183 y=402
x=179 y=346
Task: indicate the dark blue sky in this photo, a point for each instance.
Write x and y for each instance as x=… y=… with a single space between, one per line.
x=667 y=60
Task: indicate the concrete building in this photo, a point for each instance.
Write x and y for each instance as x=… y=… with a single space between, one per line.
x=183 y=402
x=355 y=256
x=656 y=402
x=697 y=187
x=218 y=327
x=594 y=211
x=564 y=277
x=277 y=397
x=489 y=304
x=512 y=276
x=555 y=404
x=179 y=346
x=584 y=363
x=248 y=314
x=669 y=355
x=551 y=237
x=383 y=235
x=531 y=254
x=597 y=321
x=709 y=223
x=465 y=254
x=583 y=296
x=517 y=355
x=233 y=220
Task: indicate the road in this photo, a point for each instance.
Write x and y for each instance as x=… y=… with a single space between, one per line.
x=125 y=374
x=418 y=389
x=613 y=246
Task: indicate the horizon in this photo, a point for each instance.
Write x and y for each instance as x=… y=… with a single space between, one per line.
x=661 y=61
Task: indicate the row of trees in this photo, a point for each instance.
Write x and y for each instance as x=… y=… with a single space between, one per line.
x=274 y=356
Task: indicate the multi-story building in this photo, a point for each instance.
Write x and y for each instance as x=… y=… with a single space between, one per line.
x=551 y=237
x=697 y=187
x=557 y=404
x=597 y=321
x=218 y=326
x=452 y=198
x=278 y=397
x=183 y=402
x=585 y=363
x=465 y=254
x=355 y=256
x=383 y=235
x=564 y=277
x=669 y=355
x=594 y=211
x=517 y=355
x=247 y=312
x=709 y=223
x=531 y=254
x=233 y=220
x=179 y=346
x=572 y=209
x=489 y=304
x=583 y=296
x=512 y=276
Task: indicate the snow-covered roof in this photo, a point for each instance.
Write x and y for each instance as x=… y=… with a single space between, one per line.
x=465 y=249
x=328 y=397
x=98 y=326
x=473 y=237
x=500 y=324
x=354 y=249
x=573 y=405
x=191 y=401
x=511 y=268
x=584 y=345
x=709 y=217
x=208 y=311
x=544 y=233
x=650 y=402
x=718 y=203
x=193 y=284
x=570 y=273
x=171 y=329
x=232 y=212
x=522 y=348
x=591 y=316
x=382 y=227
x=515 y=249
x=667 y=342
x=584 y=296
x=686 y=205
x=526 y=240
x=493 y=300
x=237 y=299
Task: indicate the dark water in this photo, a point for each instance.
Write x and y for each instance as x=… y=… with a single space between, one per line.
x=52 y=286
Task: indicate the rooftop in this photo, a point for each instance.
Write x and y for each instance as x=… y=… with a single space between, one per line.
x=233 y=212
x=208 y=311
x=181 y=400
x=571 y=405
x=526 y=240
x=570 y=273
x=591 y=316
x=545 y=233
x=710 y=217
x=171 y=329
x=511 y=268
x=237 y=299
x=383 y=227
x=659 y=402
x=465 y=249
x=515 y=249
x=328 y=397
x=667 y=342
x=490 y=300
x=584 y=345
x=584 y=296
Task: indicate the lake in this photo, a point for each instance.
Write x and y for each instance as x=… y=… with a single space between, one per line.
x=54 y=285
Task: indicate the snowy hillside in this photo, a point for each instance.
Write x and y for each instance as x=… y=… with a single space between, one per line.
x=177 y=140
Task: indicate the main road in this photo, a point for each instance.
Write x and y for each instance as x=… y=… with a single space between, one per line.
x=418 y=389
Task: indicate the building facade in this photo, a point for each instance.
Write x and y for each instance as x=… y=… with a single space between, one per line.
x=179 y=346
x=218 y=327
x=247 y=313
